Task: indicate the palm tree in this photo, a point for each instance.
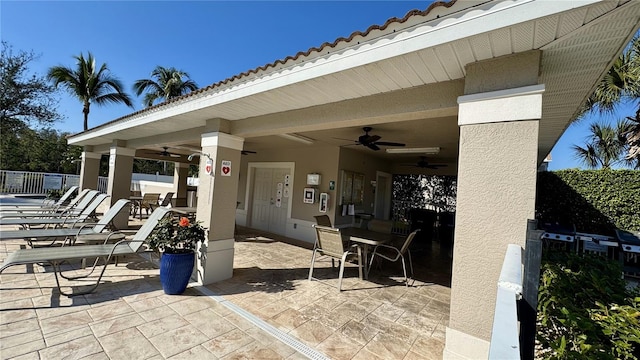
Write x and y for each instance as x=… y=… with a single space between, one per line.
x=89 y=85
x=620 y=83
x=606 y=146
x=169 y=83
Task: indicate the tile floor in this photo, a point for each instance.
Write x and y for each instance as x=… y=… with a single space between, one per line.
x=129 y=317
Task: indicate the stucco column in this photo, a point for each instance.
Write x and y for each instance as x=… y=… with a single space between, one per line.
x=496 y=195
x=180 y=174
x=89 y=170
x=119 y=186
x=217 y=195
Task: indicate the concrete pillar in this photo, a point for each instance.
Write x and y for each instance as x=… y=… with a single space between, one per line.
x=119 y=186
x=217 y=195
x=89 y=170
x=497 y=166
x=180 y=174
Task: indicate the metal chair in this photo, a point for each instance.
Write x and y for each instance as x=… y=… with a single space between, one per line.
x=329 y=243
x=394 y=254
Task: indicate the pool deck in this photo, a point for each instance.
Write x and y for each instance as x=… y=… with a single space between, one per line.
x=268 y=310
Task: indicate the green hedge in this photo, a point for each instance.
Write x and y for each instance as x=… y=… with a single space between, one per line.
x=595 y=201
x=586 y=310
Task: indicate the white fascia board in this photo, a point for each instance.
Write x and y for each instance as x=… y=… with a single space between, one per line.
x=523 y=103
x=448 y=28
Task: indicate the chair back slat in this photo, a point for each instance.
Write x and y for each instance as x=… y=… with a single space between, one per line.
x=148 y=226
x=167 y=199
x=323 y=220
x=108 y=217
x=86 y=199
x=92 y=206
x=330 y=241
x=66 y=197
x=408 y=241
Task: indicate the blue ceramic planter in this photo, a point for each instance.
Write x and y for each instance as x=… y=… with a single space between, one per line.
x=175 y=272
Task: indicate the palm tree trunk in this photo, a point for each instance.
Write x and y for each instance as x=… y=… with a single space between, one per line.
x=85 y=111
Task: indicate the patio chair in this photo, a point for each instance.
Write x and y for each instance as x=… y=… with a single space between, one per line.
x=329 y=242
x=82 y=200
x=64 y=199
x=165 y=201
x=394 y=254
x=66 y=233
x=323 y=220
x=57 y=255
x=59 y=220
x=148 y=200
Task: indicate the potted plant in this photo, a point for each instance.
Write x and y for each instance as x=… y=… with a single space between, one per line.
x=177 y=241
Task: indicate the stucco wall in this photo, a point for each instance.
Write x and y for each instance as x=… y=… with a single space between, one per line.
x=496 y=196
x=316 y=159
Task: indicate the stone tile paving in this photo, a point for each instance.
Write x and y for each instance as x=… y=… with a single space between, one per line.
x=129 y=316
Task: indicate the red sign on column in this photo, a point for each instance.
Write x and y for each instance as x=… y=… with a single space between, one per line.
x=225 y=168
x=208 y=167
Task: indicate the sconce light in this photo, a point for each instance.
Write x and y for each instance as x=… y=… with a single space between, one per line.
x=190 y=157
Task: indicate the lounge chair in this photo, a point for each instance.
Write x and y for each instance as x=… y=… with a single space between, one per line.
x=64 y=199
x=57 y=255
x=59 y=220
x=82 y=200
x=64 y=233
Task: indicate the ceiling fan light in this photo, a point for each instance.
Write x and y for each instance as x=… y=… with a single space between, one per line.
x=424 y=150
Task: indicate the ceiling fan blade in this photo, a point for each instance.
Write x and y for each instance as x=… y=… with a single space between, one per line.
x=247 y=152
x=387 y=143
x=372 y=146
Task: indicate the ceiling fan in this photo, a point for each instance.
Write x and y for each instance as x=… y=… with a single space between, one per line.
x=424 y=164
x=247 y=152
x=165 y=153
x=371 y=141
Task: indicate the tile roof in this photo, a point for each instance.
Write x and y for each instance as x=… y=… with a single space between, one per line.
x=299 y=55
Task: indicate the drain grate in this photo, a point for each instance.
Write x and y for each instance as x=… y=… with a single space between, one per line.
x=285 y=338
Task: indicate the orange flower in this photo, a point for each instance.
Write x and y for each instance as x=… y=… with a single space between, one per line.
x=184 y=222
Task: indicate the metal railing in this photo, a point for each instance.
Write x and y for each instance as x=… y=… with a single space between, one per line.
x=40 y=183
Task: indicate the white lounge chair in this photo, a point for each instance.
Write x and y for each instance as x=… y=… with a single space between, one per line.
x=64 y=233
x=57 y=255
x=81 y=201
x=64 y=199
x=56 y=220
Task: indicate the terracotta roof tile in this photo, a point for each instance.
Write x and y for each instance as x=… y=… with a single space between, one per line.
x=320 y=49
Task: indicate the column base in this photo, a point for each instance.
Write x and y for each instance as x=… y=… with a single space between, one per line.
x=215 y=261
x=462 y=346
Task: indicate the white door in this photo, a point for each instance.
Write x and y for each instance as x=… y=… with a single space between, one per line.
x=270 y=207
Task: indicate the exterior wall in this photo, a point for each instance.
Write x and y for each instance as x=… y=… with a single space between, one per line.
x=506 y=72
x=320 y=160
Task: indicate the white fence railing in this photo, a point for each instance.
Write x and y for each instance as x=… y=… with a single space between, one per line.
x=39 y=183
x=36 y=183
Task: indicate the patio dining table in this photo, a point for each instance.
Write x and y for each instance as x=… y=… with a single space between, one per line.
x=366 y=238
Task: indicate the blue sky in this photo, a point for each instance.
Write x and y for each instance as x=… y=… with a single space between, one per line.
x=211 y=40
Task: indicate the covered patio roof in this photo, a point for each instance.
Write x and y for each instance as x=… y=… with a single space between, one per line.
x=402 y=78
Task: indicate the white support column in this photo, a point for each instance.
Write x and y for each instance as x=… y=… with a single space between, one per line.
x=217 y=197
x=119 y=186
x=180 y=174
x=89 y=170
x=496 y=195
